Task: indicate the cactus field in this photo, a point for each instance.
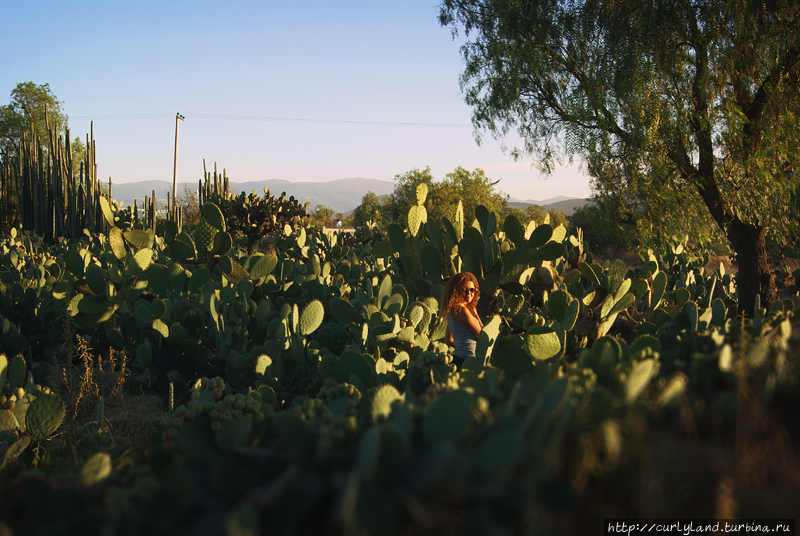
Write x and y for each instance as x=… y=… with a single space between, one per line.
x=303 y=385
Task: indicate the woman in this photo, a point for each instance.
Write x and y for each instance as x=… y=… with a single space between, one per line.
x=459 y=303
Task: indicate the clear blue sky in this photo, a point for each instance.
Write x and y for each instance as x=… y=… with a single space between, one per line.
x=229 y=66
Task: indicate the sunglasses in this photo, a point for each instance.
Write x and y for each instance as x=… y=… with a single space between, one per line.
x=471 y=290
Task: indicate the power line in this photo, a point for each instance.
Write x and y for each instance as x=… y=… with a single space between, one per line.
x=120 y=116
x=272 y=120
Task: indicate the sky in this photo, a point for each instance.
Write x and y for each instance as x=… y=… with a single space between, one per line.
x=300 y=91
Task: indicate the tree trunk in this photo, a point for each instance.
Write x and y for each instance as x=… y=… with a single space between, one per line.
x=753 y=277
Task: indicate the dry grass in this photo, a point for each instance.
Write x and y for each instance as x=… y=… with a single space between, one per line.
x=127 y=414
x=84 y=377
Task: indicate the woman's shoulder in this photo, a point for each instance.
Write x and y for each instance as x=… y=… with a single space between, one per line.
x=460 y=313
x=457 y=309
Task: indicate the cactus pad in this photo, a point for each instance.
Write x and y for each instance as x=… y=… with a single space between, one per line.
x=422 y=192
x=140 y=261
x=640 y=375
x=44 y=416
x=659 y=286
x=138 y=238
x=223 y=242
x=213 y=216
x=542 y=342
x=351 y=362
x=540 y=236
x=96 y=469
x=117 y=243
x=8 y=422
x=311 y=318
x=264 y=266
x=181 y=250
x=486 y=339
x=105 y=207
x=417 y=215
x=344 y=310
x=431 y=261
x=203 y=236
x=3 y=369
x=615 y=274
x=448 y=417
x=16 y=373
x=382 y=402
x=624 y=302
x=514 y=230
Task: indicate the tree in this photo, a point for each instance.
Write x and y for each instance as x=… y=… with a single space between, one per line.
x=604 y=232
x=405 y=193
x=30 y=106
x=189 y=203
x=322 y=216
x=371 y=209
x=472 y=188
x=684 y=96
x=78 y=149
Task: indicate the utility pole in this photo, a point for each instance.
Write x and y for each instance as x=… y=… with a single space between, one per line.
x=178 y=117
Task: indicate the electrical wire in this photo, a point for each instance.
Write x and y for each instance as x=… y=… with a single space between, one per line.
x=271 y=119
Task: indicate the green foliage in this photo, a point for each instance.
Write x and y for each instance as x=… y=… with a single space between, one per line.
x=670 y=108
x=404 y=195
x=43 y=417
x=254 y=217
x=322 y=216
x=467 y=188
x=371 y=211
x=332 y=381
x=31 y=109
x=606 y=232
x=471 y=188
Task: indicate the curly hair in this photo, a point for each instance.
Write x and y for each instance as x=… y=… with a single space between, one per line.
x=453 y=295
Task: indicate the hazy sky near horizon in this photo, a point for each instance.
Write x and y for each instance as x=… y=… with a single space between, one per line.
x=301 y=91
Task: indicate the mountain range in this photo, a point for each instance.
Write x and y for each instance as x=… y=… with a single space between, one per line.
x=342 y=195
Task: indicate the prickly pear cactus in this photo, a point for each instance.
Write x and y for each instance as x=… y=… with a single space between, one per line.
x=311 y=318
x=43 y=417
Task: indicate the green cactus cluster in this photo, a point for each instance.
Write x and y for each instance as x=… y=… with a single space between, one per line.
x=325 y=377
x=213 y=422
x=253 y=217
x=40 y=193
x=29 y=413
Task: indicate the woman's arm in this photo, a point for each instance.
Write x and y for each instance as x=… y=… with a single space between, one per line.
x=478 y=318
x=466 y=317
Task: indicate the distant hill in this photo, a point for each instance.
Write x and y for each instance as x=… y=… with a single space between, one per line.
x=341 y=195
x=567 y=205
x=543 y=202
